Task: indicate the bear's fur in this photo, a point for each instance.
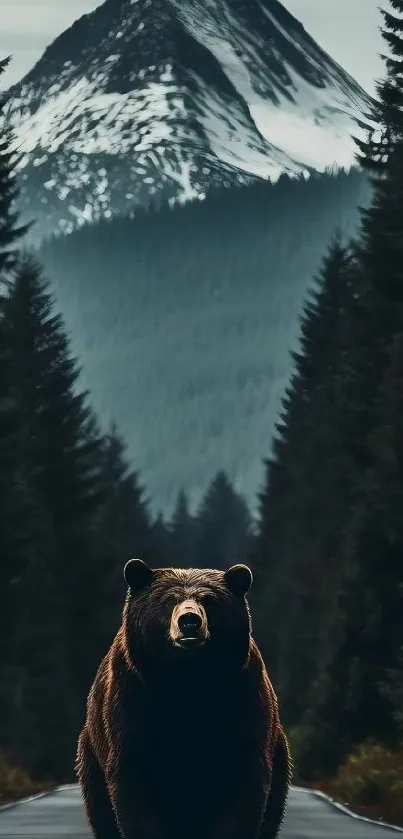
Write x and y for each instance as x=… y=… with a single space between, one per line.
x=182 y=738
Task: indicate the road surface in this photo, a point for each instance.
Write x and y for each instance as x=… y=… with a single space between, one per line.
x=61 y=814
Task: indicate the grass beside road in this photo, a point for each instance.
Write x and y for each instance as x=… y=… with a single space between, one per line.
x=16 y=784
x=370 y=783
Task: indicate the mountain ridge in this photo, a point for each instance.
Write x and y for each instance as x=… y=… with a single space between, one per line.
x=156 y=100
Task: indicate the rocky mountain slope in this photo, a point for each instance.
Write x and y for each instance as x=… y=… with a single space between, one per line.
x=144 y=100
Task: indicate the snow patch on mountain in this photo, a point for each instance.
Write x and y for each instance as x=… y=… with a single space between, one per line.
x=232 y=140
x=169 y=97
x=315 y=133
x=312 y=125
x=96 y=122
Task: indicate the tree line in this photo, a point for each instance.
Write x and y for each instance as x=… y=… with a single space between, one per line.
x=72 y=511
x=326 y=550
x=183 y=319
x=329 y=552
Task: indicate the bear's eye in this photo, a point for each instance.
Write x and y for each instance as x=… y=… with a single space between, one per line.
x=208 y=600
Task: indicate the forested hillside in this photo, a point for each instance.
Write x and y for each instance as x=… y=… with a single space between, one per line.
x=329 y=555
x=183 y=320
x=72 y=511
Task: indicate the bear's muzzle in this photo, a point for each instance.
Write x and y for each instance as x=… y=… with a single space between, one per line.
x=189 y=628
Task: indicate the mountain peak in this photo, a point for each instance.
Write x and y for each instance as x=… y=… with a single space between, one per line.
x=146 y=99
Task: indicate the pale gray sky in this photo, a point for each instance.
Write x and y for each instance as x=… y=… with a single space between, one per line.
x=347 y=29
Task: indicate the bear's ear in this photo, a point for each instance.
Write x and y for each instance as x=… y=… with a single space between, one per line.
x=238 y=579
x=137 y=575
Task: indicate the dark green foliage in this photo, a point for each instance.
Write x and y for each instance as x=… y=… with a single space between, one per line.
x=72 y=511
x=218 y=535
x=44 y=708
x=176 y=305
x=224 y=526
x=53 y=417
x=15 y=499
x=297 y=540
x=182 y=535
x=122 y=530
x=13 y=545
x=330 y=545
x=393 y=691
x=82 y=515
x=161 y=541
x=54 y=465
x=374 y=151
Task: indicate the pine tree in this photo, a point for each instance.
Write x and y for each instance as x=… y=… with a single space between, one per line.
x=123 y=517
x=85 y=515
x=55 y=443
x=44 y=708
x=11 y=230
x=347 y=694
x=14 y=539
x=182 y=532
x=122 y=530
x=224 y=526
x=161 y=542
x=331 y=541
x=306 y=494
x=374 y=632
x=54 y=417
x=387 y=116
x=13 y=532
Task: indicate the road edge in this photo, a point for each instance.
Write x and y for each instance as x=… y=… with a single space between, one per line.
x=35 y=797
x=317 y=793
x=343 y=809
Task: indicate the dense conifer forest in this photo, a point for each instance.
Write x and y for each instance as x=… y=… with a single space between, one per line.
x=183 y=320
x=73 y=510
x=330 y=541
x=326 y=546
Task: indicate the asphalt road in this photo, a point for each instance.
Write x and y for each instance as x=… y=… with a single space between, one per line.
x=61 y=814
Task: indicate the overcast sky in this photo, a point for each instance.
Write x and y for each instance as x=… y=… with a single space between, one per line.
x=347 y=29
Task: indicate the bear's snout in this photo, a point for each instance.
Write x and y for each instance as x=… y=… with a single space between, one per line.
x=189 y=624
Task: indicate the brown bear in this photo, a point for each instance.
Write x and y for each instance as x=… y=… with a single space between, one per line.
x=182 y=738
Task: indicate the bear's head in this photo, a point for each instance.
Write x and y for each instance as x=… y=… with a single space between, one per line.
x=186 y=618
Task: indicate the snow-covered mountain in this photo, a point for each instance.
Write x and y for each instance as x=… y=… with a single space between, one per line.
x=149 y=98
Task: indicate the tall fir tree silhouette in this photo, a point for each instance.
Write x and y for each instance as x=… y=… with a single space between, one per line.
x=122 y=530
x=14 y=536
x=71 y=512
x=55 y=443
x=182 y=534
x=306 y=489
x=330 y=529
x=375 y=150
x=224 y=526
x=161 y=541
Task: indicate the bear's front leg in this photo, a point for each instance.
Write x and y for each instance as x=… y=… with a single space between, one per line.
x=94 y=791
x=279 y=788
x=136 y=816
x=244 y=813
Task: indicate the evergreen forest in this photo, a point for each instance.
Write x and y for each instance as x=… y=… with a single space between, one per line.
x=323 y=528
x=183 y=319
